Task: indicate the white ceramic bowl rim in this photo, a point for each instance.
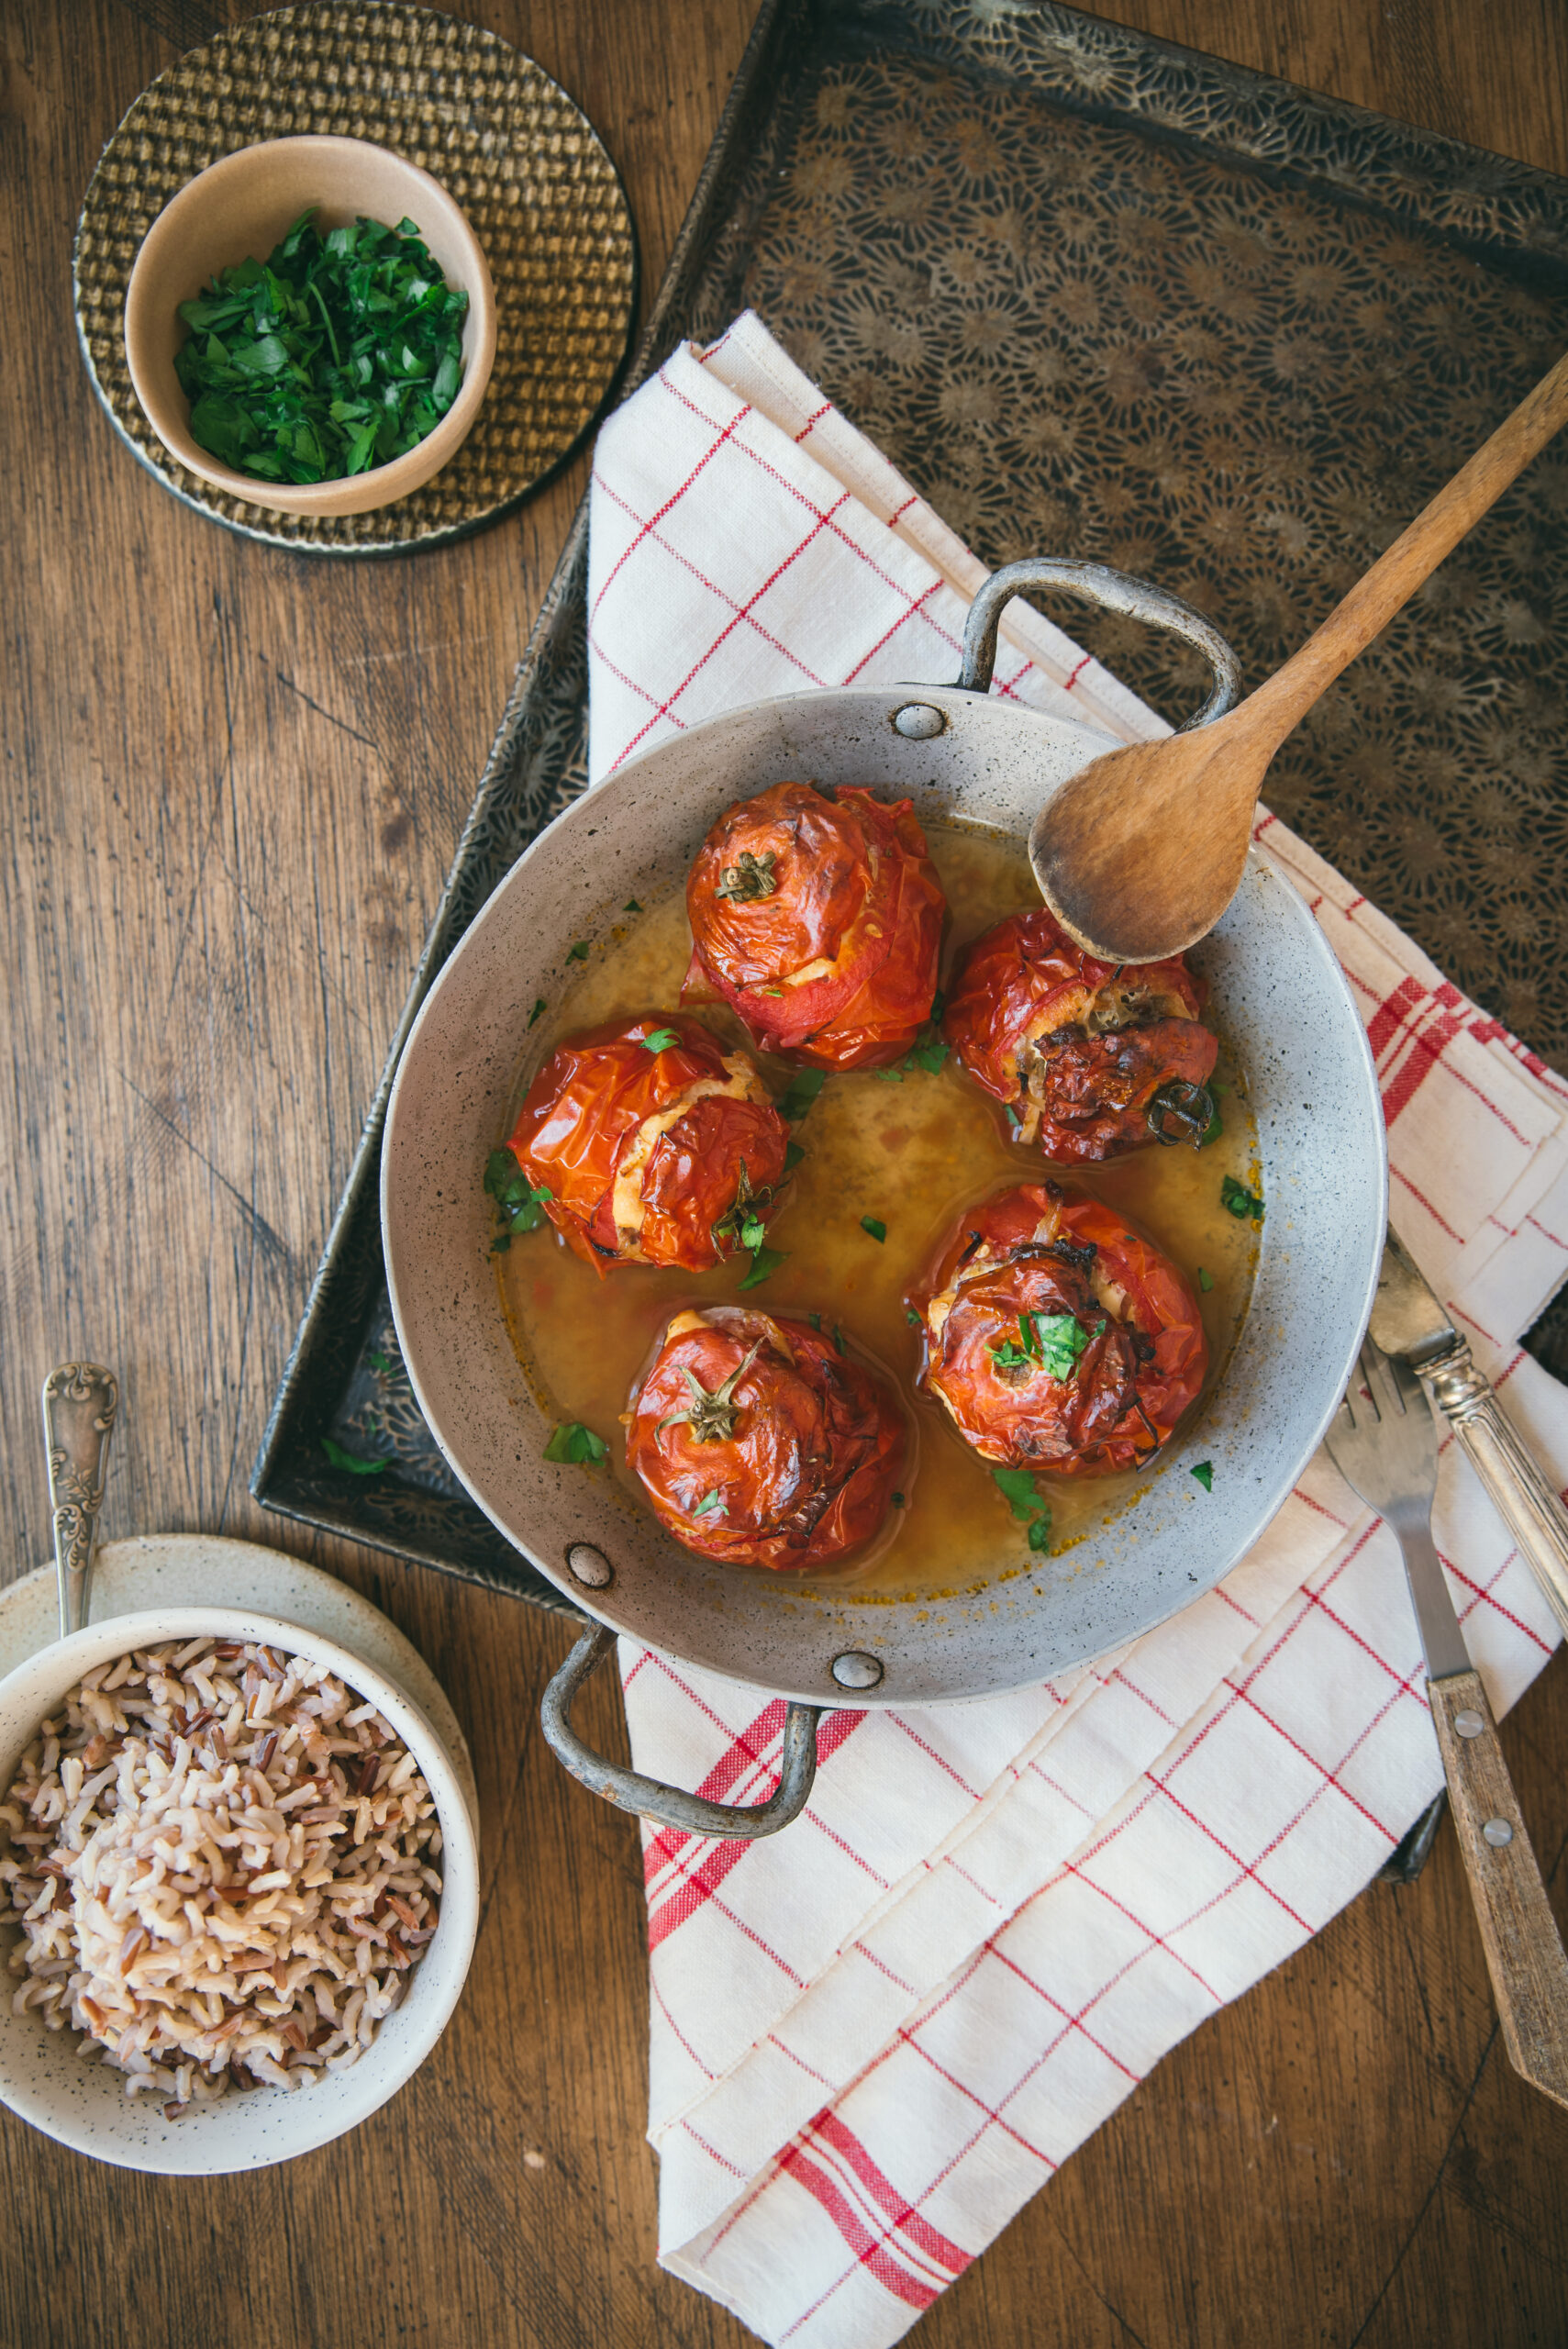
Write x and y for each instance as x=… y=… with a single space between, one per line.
x=84 y=2104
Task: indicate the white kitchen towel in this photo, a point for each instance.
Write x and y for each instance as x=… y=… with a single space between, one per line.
x=874 y=2036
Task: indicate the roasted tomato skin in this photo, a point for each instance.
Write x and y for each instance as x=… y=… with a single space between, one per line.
x=1079 y=1046
x=583 y=1135
x=1043 y=1249
x=814 y=1446
x=845 y=884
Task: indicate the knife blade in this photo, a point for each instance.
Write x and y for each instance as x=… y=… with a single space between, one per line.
x=1408 y=1322
x=1406 y=1318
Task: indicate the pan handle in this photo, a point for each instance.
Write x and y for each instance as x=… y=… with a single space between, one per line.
x=672 y=1806
x=1114 y=592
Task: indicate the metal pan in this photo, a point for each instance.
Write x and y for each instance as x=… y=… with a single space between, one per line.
x=1277 y=994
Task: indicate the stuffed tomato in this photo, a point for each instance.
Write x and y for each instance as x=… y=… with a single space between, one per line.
x=757 y=1442
x=647 y=1143
x=1056 y=1338
x=818 y=920
x=1091 y=1059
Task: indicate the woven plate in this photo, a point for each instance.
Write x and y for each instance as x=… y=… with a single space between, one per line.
x=526 y=166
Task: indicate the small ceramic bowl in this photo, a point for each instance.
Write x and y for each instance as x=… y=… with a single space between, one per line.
x=244 y=205
x=43 y=2074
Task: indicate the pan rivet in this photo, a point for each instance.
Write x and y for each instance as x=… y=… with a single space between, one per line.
x=1469 y=1724
x=589 y=1567
x=854 y=1669
x=1497 y=1833
x=919 y=722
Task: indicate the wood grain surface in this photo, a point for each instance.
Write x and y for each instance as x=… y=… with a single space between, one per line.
x=233 y=779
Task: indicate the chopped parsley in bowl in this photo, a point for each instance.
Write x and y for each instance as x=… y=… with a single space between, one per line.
x=293 y=350
x=336 y=354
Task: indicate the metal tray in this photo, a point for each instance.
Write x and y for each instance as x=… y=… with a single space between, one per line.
x=1098 y=296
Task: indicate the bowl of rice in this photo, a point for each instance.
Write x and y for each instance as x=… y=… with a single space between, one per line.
x=238 y=1889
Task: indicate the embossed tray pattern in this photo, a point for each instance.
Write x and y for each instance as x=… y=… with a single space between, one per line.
x=1099 y=296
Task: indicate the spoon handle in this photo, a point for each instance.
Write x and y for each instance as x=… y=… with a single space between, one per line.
x=80 y=1399
x=1415 y=553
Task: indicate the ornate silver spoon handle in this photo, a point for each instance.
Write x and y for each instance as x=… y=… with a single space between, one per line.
x=80 y=1399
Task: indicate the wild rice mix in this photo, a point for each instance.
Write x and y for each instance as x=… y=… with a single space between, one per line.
x=223 y=1863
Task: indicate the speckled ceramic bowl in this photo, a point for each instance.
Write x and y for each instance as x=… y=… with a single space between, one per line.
x=242 y=206
x=44 y=2078
x=1279 y=997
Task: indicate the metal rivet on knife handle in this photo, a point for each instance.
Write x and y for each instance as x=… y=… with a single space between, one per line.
x=1498 y=1833
x=1469 y=1724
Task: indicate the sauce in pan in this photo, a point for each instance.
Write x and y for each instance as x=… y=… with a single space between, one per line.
x=912 y=1154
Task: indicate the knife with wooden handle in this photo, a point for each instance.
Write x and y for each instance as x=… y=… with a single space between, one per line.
x=1383 y=1439
x=1524 y=1954
x=1408 y=1321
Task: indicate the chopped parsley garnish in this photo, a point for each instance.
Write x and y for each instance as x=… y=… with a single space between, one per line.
x=897 y=1501
x=1216 y=1126
x=539 y=1005
x=631 y=907
x=519 y=1207
x=1240 y=1202
x=576 y=1446
x=380 y=1362
x=335 y=354
x=765 y=1261
x=804 y=1087
x=815 y=1320
x=744 y=1229
x=1204 y=1472
x=875 y=1226
x=911 y=1317
x=839 y=1340
x=578 y=952
x=1204 y=1279
x=928 y=1052
x=1056 y=1341
x=351 y=1461
x=711 y=1505
x=1023 y=1499
x=1010 y=1358
x=793 y=1156
x=929 y=1055
x=660 y=1041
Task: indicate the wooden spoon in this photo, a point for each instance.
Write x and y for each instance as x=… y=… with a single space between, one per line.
x=1139 y=854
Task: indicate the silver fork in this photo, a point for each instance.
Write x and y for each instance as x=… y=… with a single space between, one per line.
x=1383 y=1441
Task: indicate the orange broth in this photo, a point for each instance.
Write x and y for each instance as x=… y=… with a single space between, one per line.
x=914 y=1153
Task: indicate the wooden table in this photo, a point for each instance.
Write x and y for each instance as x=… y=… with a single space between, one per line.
x=233 y=781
